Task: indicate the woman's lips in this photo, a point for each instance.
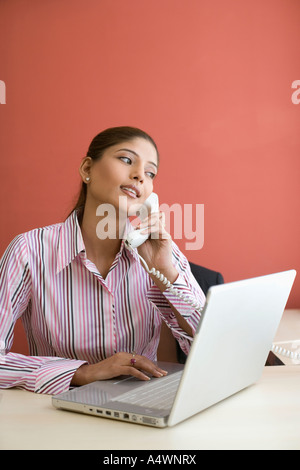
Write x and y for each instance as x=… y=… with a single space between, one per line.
x=131 y=191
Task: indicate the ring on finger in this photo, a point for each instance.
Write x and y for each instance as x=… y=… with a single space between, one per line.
x=133 y=360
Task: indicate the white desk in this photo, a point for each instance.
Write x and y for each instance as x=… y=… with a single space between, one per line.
x=264 y=416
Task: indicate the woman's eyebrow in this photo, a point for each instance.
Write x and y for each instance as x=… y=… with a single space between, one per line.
x=136 y=154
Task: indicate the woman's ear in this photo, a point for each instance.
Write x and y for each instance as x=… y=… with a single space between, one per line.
x=85 y=169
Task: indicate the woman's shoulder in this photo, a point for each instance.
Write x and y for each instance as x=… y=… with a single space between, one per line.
x=36 y=236
x=31 y=241
x=37 y=231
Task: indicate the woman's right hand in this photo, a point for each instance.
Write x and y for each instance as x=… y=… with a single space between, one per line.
x=118 y=364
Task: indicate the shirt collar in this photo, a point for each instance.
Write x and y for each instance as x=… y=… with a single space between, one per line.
x=71 y=242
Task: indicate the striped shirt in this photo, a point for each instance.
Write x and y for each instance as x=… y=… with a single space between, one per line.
x=72 y=315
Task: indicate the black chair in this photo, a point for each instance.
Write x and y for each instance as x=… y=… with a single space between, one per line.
x=205 y=278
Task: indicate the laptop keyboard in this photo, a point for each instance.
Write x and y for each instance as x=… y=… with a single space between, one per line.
x=159 y=393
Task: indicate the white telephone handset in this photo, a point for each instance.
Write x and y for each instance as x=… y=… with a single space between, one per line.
x=136 y=238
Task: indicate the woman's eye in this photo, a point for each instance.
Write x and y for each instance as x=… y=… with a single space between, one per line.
x=126 y=160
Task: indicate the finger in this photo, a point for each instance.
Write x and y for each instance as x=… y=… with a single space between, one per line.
x=150 y=220
x=130 y=370
x=154 y=226
x=156 y=233
x=162 y=217
x=147 y=224
x=149 y=366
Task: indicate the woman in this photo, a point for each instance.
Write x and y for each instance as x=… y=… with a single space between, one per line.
x=89 y=308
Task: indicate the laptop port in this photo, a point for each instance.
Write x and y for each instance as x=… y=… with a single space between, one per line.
x=108 y=413
x=148 y=420
x=126 y=416
x=99 y=411
x=116 y=414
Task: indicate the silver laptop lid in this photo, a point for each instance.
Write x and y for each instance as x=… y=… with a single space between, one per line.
x=232 y=342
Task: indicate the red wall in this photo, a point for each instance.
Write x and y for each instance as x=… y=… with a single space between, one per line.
x=210 y=80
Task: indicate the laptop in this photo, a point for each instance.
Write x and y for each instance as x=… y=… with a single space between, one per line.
x=228 y=354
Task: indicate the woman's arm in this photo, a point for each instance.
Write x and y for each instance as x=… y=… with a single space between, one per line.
x=160 y=252
x=34 y=373
x=44 y=374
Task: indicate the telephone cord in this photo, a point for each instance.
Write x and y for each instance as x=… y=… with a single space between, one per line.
x=170 y=287
x=285 y=352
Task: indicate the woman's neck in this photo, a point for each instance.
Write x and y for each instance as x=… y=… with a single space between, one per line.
x=102 y=235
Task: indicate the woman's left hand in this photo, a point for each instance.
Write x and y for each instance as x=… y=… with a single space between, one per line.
x=157 y=249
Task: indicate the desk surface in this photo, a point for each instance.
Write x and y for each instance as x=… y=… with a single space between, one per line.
x=263 y=416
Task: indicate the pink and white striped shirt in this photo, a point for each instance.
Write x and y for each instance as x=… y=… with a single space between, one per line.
x=72 y=315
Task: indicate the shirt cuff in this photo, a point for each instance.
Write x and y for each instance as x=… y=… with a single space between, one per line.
x=55 y=376
x=39 y=374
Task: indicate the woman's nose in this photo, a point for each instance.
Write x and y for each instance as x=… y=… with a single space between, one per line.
x=137 y=173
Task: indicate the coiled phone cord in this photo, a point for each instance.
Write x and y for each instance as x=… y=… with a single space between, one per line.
x=169 y=285
x=285 y=352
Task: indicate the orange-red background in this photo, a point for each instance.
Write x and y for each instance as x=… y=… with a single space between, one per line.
x=210 y=80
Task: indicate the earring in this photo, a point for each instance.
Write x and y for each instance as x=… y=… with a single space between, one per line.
x=87 y=178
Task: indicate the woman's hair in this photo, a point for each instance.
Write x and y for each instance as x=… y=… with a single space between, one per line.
x=104 y=140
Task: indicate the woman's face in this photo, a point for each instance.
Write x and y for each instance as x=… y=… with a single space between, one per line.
x=126 y=169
